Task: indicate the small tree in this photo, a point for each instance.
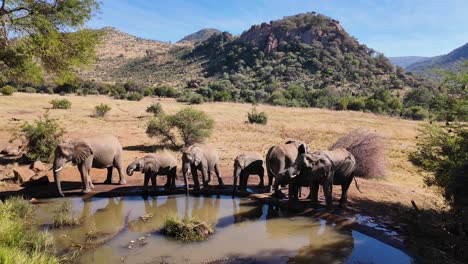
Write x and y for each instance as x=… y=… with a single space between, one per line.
x=60 y=104
x=43 y=136
x=190 y=125
x=7 y=90
x=155 y=108
x=134 y=96
x=101 y=110
x=257 y=117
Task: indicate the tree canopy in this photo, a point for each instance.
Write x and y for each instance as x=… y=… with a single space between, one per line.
x=44 y=35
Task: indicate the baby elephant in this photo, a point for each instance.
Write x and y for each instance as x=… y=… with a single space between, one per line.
x=152 y=165
x=245 y=164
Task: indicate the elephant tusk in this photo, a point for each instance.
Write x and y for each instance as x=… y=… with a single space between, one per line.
x=59 y=169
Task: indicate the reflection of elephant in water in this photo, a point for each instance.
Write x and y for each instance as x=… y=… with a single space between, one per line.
x=335 y=167
x=93 y=152
x=200 y=158
x=279 y=157
x=109 y=219
x=206 y=209
x=246 y=163
x=152 y=165
x=160 y=208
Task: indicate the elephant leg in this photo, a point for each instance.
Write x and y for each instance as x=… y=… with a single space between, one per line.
x=153 y=180
x=313 y=194
x=109 y=175
x=146 y=180
x=196 y=182
x=168 y=181
x=270 y=180
x=220 y=181
x=344 y=193
x=260 y=174
x=84 y=168
x=119 y=166
x=90 y=182
x=204 y=175
x=327 y=191
x=245 y=180
x=173 y=176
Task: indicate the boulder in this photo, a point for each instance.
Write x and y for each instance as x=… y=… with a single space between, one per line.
x=22 y=174
x=11 y=151
x=37 y=166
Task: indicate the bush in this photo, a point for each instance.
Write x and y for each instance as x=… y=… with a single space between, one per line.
x=43 y=136
x=186 y=229
x=60 y=104
x=155 y=108
x=20 y=240
x=63 y=216
x=29 y=90
x=190 y=97
x=191 y=125
x=356 y=104
x=166 y=91
x=367 y=149
x=7 y=90
x=257 y=117
x=443 y=151
x=134 y=96
x=416 y=113
x=101 y=110
x=148 y=92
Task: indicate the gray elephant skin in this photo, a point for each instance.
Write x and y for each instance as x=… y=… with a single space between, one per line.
x=245 y=164
x=328 y=168
x=152 y=165
x=202 y=158
x=86 y=153
x=279 y=157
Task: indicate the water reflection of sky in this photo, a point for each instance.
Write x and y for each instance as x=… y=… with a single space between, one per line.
x=370 y=250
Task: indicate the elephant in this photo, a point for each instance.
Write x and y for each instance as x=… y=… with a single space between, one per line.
x=203 y=158
x=246 y=163
x=279 y=157
x=335 y=167
x=162 y=163
x=86 y=153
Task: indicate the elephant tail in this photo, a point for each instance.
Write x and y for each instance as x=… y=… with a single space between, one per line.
x=357 y=185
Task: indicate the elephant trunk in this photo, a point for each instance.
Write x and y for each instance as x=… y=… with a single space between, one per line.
x=57 y=170
x=185 y=167
x=237 y=173
x=131 y=168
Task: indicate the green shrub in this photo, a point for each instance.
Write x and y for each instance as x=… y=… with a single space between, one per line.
x=195 y=99
x=20 y=240
x=148 y=92
x=43 y=136
x=166 y=91
x=255 y=117
x=7 y=90
x=101 y=110
x=190 y=97
x=155 y=108
x=134 y=96
x=63 y=216
x=416 y=113
x=29 y=90
x=356 y=104
x=443 y=151
x=191 y=125
x=60 y=104
x=186 y=229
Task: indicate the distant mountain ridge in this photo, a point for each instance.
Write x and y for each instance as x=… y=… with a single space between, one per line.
x=447 y=62
x=200 y=35
x=406 y=61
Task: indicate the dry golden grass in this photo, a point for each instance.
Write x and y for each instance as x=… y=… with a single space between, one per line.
x=318 y=127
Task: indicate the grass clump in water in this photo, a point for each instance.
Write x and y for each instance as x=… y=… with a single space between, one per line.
x=20 y=240
x=63 y=216
x=186 y=229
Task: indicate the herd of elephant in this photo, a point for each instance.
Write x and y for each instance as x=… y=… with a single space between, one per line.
x=287 y=164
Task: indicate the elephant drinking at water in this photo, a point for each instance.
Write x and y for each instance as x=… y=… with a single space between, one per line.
x=152 y=165
x=86 y=153
x=246 y=163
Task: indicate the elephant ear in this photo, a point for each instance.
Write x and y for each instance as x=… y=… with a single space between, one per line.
x=81 y=151
x=241 y=161
x=149 y=164
x=197 y=156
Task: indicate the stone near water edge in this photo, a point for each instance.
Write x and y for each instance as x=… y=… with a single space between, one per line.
x=34 y=201
x=22 y=174
x=37 y=166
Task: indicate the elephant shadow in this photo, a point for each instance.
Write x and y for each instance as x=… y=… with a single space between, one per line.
x=151 y=148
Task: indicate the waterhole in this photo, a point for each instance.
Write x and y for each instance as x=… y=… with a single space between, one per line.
x=246 y=232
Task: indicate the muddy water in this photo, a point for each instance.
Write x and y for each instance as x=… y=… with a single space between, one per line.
x=246 y=232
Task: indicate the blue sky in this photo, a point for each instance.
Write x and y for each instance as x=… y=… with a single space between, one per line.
x=394 y=27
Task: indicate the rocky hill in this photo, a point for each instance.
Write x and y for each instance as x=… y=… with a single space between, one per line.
x=447 y=62
x=406 y=61
x=200 y=35
x=308 y=50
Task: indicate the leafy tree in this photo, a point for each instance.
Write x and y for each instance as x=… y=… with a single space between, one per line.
x=45 y=34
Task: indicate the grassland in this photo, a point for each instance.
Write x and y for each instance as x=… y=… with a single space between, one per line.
x=232 y=134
